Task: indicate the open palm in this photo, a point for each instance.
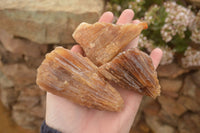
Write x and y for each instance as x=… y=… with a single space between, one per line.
x=68 y=117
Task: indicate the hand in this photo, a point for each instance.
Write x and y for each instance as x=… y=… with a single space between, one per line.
x=68 y=117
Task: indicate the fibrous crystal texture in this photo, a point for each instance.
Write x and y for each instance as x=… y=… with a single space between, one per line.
x=103 y=41
x=133 y=70
x=91 y=81
x=74 y=77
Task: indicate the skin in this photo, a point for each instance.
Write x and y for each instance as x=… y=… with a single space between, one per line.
x=68 y=117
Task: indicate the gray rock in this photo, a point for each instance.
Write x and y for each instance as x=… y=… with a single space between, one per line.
x=171 y=106
x=21 y=46
x=5 y=82
x=172 y=70
x=157 y=126
x=20 y=74
x=171 y=85
x=23 y=119
x=196 y=78
x=189 y=103
x=8 y=97
x=47 y=21
x=189 y=123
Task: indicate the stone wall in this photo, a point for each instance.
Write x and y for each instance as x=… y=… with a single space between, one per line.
x=28 y=32
x=177 y=110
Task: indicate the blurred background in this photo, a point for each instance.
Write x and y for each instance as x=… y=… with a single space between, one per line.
x=30 y=29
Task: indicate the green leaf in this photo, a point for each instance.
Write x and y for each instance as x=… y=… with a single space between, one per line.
x=181 y=44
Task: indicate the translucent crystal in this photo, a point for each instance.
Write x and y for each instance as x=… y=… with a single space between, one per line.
x=134 y=70
x=103 y=41
x=75 y=77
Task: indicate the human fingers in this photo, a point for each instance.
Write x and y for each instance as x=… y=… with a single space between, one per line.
x=77 y=49
x=107 y=17
x=126 y=17
x=136 y=21
x=156 y=56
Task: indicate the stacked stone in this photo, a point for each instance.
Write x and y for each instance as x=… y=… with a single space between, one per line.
x=177 y=109
x=29 y=30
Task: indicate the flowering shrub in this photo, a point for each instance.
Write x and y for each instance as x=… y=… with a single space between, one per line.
x=172 y=27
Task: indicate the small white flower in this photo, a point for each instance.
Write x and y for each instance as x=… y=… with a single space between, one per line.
x=191 y=58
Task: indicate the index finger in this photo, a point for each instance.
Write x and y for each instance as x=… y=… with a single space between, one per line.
x=107 y=17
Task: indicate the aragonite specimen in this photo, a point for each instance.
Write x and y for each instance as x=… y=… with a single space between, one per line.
x=90 y=81
x=75 y=77
x=103 y=41
x=134 y=70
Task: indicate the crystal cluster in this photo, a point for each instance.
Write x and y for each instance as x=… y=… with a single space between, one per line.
x=74 y=77
x=105 y=38
x=91 y=81
x=133 y=70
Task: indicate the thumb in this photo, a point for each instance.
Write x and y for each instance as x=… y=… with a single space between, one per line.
x=77 y=49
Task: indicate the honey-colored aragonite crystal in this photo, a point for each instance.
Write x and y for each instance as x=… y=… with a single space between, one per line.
x=90 y=81
x=75 y=77
x=103 y=41
x=134 y=70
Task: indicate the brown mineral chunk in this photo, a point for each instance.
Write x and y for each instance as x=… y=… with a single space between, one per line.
x=134 y=70
x=103 y=41
x=74 y=77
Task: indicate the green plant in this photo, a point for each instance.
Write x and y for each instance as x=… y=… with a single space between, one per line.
x=172 y=26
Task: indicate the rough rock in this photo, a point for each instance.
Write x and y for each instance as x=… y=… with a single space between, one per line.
x=157 y=126
x=20 y=74
x=7 y=57
x=190 y=89
x=47 y=21
x=5 y=82
x=24 y=119
x=8 y=97
x=33 y=62
x=29 y=98
x=38 y=111
x=189 y=103
x=38 y=122
x=168 y=118
x=26 y=103
x=173 y=85
x=195 y=3
x=21 y=46
x=172 y=70
x=31 y=90
x=189 y=123
x=171 y=106
x=171 y=94
x=196 y=78
x=141 y=127
x=152 y=108
x=30 y=105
